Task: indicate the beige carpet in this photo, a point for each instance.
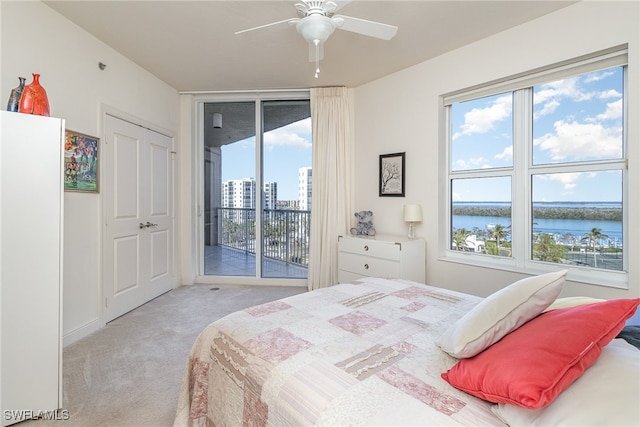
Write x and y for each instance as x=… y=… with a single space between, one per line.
x=129 y=373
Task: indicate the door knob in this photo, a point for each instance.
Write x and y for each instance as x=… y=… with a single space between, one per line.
x=148 y=224
x=142 y=225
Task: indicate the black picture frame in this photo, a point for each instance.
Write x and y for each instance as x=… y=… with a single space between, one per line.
x=391 y=175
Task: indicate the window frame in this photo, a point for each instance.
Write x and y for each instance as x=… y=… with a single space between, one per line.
x=522 y=170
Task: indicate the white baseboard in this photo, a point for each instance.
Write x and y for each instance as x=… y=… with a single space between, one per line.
x=81 y=332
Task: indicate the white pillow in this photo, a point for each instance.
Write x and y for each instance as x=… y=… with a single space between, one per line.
x=572 y=302
x=605 y=395
x=500 y=313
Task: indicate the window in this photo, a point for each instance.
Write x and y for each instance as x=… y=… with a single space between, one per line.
x=537 y=170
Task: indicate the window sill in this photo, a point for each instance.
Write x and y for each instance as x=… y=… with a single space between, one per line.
x=590 y=276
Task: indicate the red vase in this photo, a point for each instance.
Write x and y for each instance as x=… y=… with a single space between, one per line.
x=34 y=98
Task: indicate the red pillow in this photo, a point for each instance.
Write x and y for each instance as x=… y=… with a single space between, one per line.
x=535 y=363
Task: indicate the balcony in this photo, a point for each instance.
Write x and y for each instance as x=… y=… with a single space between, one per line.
x=285 y=243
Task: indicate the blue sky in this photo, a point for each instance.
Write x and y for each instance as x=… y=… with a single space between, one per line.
x=285 y=151
x=575 y=119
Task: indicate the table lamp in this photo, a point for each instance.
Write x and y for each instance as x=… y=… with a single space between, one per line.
x=412 y=214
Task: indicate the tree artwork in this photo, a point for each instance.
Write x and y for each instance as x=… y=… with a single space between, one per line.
x=392 y=175
x=390 y=172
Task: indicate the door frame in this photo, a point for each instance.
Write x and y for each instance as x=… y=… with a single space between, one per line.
x=197 y=176
x=105 y=175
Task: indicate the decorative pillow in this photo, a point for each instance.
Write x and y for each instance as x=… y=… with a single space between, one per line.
x=572 y=302
x=500 y=313
x=532 y=365
x=606 y=395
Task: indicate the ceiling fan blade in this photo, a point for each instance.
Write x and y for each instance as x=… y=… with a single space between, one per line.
x=365 y=27
x=289 y=21
x=312 y=52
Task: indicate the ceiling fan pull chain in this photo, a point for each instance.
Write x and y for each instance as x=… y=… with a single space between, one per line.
x=317 y=43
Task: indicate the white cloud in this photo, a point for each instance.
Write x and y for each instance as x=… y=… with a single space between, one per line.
x=594 y=77
x=481 y=120
x=550 y=94
x=568 y=180
x=471 y=163
x=611 y=93
x=547 y=108
x=507 y=154
x=567 y=88
x=613 y=111
x=581 y=141
x=295 y=135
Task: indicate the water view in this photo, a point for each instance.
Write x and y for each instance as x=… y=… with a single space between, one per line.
x=563 y=231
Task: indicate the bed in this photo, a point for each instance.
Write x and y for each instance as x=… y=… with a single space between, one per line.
x=371 y=352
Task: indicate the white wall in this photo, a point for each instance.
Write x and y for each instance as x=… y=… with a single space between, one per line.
x=36 y=39
x=400 y=113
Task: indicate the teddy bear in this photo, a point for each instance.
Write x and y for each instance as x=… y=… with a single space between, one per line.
x=365 y=225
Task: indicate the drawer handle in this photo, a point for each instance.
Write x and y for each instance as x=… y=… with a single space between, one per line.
x=366 y=266
x=366 y=247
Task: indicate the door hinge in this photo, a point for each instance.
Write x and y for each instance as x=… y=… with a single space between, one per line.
x=106 y=302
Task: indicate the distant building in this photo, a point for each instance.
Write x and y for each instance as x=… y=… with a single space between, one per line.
x=305 y=182
x=475 y=245
x=288 y=204
x=239 y=193
x=270 y=195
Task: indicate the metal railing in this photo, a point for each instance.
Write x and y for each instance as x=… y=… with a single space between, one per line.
x=285 y=233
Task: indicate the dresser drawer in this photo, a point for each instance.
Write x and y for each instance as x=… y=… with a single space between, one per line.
x=371 y=248
x=369 y=266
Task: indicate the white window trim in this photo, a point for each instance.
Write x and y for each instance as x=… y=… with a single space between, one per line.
x=521 y=182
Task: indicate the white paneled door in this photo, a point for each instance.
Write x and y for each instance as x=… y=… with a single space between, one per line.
x=138 y=255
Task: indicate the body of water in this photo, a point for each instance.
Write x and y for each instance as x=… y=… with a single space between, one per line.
x=557 y=227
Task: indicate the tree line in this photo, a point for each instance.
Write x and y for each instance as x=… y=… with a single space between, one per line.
x=588 y=213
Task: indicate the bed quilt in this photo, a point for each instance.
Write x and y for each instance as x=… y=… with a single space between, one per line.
x=360 y=353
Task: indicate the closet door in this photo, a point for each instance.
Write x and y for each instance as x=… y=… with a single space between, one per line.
x=138 y=236
x=160 y=184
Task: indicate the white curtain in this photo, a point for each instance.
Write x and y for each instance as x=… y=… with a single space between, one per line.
x=331 y=203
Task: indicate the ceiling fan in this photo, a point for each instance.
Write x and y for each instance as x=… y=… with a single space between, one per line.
x=317 y=20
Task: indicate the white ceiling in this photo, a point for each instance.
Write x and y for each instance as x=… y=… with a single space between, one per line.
x=191 y=44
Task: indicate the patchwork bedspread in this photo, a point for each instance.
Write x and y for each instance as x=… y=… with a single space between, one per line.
x=360 y=353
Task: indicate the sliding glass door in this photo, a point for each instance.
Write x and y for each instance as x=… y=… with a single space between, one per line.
x=257 y=188
x=286 y=220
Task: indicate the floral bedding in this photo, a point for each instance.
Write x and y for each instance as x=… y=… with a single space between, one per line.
x=360 y=353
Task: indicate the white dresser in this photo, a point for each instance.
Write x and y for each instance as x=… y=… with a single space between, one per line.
x=381 y=256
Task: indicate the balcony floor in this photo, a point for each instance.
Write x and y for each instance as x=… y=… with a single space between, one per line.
x=224 y=261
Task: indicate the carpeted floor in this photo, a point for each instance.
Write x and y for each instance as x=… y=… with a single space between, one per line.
x=129 y=373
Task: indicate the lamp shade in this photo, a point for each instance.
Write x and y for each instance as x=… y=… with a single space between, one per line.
x=412 y=213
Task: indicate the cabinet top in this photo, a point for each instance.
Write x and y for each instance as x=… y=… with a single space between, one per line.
x=382 y=238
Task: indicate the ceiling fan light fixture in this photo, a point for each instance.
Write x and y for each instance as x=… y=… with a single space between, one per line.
x=316 y=27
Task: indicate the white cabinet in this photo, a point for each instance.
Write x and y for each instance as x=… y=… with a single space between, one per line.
x=381 y=256
x=31 y=203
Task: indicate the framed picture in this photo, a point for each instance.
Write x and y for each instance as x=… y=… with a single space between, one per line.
x=392 y=175
x=81 y=162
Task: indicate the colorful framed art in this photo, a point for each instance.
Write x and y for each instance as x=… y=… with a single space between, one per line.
x=81 y=160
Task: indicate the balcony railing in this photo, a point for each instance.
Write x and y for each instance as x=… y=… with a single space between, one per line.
x=285 y=233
